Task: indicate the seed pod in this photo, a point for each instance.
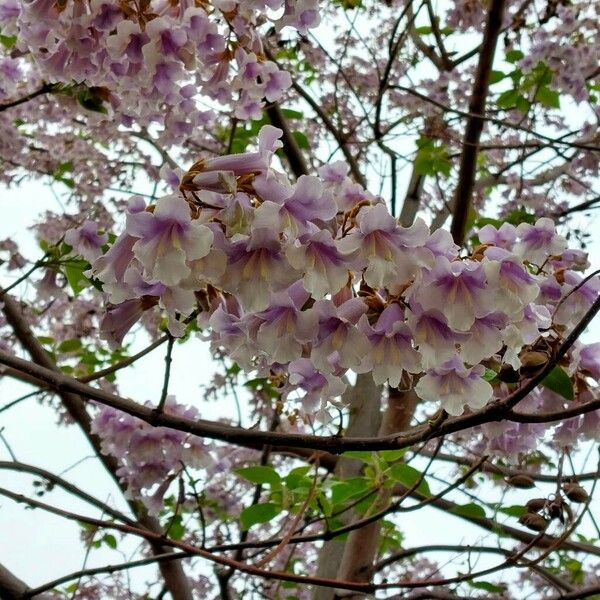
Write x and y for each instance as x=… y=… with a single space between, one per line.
x=532 y=362
x=555 y=510
x=536 y=504
x=508 y=374
x=533 y=521
x=575 y=493
x=521 y=481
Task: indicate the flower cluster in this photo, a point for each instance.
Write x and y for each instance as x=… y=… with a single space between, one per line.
x=304 y=281
x=571 y=64
x=138 y=57
x=150 y=455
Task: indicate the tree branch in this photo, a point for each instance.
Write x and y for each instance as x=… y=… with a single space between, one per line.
x=172 y=573
x=474 y=126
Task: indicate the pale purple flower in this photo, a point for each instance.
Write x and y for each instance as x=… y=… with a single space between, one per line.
x=504 y=237
x=536 y=319
x=435 y=340
x=511 y=439
x=539 y=241
x=257 y=266
x=334 y=172
x=441 y=244
x=577 y=300
x=285 y=326
x=120 y=318
x=392 y=352
x=310 y=201
x=317 y=385
x=588 y=356
x=455 y=386
x=457 y=289
x=167 y=239
x=325 y=268
x=86 y=241
x=485 y=339
x=513 y=287
x=391 y=254
x=338 y=341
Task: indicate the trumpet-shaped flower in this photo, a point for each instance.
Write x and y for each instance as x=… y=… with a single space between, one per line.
x=455 y=386
x=167 y=239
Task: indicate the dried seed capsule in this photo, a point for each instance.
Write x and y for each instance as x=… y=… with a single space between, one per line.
x=555 y=510
x=534 y=358
x=575 y=493
x=532 y=361
x=536 y=504
x=533 y=521
x=521 y=481
x=508 y=374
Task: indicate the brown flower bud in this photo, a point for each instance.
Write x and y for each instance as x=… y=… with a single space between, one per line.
x=533 y=521
x=521 y=481
x=575 y=493
x=536 y=504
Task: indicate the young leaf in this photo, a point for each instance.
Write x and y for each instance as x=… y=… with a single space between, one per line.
x=559 y=382
x=260 y=475
x=469 y=510
x=408 y=476
x=516 y=510
x=259 y=513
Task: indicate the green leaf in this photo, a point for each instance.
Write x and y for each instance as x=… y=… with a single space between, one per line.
x=496 y=76
x=260 y=474
x=489 y=374
x=289 y=113
x=548 y=97
x=75 y=277
x=366 y=457
x=8 y=41
x=431 y=158
x=469 y=510
x=559 y=382
x=507 y=99
x=296 y=478
x=342 y=490
x=408 y=476
x=69 y=345
x=423 y=30
x=515 y=510
x=522 y=104
x=259 y=513
x=91 y=99
x=301 y=140
x=514 y=56
x=391 y=456
x=110 y=540
x=176 y=528
x=487 y=586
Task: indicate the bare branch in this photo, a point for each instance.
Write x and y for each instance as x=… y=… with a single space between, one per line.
x=474 y=125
